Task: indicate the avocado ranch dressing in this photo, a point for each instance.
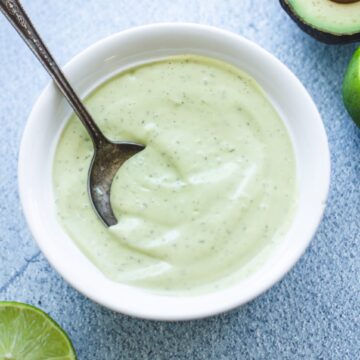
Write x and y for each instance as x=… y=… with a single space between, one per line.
x=211 y=195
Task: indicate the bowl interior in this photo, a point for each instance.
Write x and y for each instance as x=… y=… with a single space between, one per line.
x=144 y=44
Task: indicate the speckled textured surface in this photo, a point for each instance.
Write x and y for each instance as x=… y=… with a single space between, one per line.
x=313 y=313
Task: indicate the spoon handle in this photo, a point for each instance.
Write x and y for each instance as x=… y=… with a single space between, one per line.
x=14 y=12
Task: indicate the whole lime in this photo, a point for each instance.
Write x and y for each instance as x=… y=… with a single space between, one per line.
x=351 y=88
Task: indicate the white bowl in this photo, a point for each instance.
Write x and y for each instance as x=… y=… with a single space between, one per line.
x=143 y=44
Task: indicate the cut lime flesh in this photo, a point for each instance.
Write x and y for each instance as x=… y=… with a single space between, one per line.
x=27 y=333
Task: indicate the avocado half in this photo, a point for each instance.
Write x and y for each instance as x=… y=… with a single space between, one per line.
x=329 y=21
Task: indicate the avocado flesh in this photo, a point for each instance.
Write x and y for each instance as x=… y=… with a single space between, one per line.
x=326 y=20
x=351 y=88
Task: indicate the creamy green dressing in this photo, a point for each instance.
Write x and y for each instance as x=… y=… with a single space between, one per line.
x=213 y=192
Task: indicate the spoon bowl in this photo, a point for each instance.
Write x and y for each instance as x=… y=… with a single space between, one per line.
x=107 y=160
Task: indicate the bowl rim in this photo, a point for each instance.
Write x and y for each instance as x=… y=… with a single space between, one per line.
x=189 y=313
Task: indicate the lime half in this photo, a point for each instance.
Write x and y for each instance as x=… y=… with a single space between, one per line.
x=27 y=333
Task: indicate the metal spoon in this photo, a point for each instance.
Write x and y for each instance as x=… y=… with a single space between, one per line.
x=108 y=155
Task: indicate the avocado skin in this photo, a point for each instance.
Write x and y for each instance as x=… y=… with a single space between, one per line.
x=351 y=88
x=323 y=36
